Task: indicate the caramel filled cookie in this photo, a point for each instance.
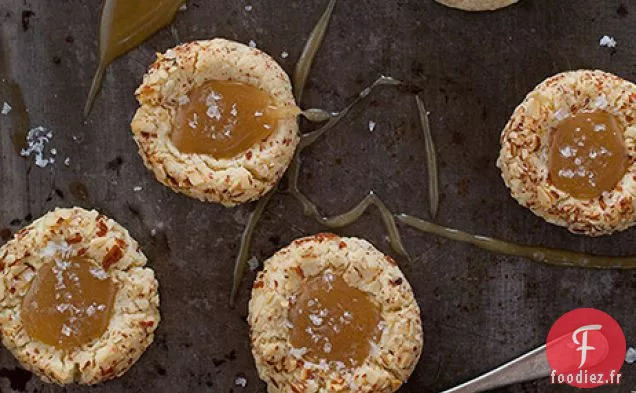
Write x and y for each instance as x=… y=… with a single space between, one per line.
x=77 y=304
x=217 y=121
x=477 y=5
x=569 y=149
x=333 y=314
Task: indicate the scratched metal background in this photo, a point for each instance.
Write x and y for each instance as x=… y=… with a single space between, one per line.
x=478 y=309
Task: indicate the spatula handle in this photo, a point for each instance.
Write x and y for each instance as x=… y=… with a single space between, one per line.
x=532 y=365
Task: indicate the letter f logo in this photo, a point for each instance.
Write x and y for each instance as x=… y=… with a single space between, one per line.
x=583 y=344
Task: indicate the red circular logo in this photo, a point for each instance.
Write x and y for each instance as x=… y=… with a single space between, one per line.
x=586 y=348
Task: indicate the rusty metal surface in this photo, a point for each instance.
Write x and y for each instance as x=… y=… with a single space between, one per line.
x=479 y=309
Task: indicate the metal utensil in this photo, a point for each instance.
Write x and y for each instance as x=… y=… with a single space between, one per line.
x=532 y=365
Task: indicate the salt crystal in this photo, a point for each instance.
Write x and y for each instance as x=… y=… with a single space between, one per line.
x=63 y=249
x=608 y=42
x=327 y=348
x=98 y=273
x=284 y=55
x=66 y=330
x=372 y=125
x=153 y=232
x=137 y=188
x=298 y=352
x=37 y=138
x=194 y=122
x=67 y=161
x=315 y=319
x=53 y=151
x=601 y=102
x=212 y=98
x=28 y=275
x=599 y=127
x=252 y=44
x=248 y=8
x=240 y=381
x=567 y=151
x=183 y=7
x=253 y=263
x=213 y=112
x=630 y=357
x=562 y=113
x=6 y=108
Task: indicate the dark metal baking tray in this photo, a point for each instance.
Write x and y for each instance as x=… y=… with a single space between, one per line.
x=478 y=309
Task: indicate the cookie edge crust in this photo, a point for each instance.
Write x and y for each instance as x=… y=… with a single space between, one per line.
x=136 y=309
x=477 y=5
x=237 y=180
x=524 y=143
x=389 y=364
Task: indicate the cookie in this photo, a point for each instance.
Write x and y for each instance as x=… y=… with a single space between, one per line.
x=77 y=304
x=477 y=5
x=568 y=152
x=199 y=127
x=333 y=314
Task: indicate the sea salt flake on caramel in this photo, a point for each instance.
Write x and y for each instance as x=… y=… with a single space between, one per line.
x=69 y=303
x=333 y=322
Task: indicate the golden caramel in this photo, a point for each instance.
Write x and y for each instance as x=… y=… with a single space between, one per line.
x=587 y=154
x=333 y=321
x=225 y=118
x=69 y=303
x=124 y=25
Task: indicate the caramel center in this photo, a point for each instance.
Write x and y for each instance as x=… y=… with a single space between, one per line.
x=225 y=118
x=587 y=154
x=69 y=303
x=333 y=321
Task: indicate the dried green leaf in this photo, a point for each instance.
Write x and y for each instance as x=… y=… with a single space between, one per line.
x=306 y=59
x=548 y=256
x=431 y=158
